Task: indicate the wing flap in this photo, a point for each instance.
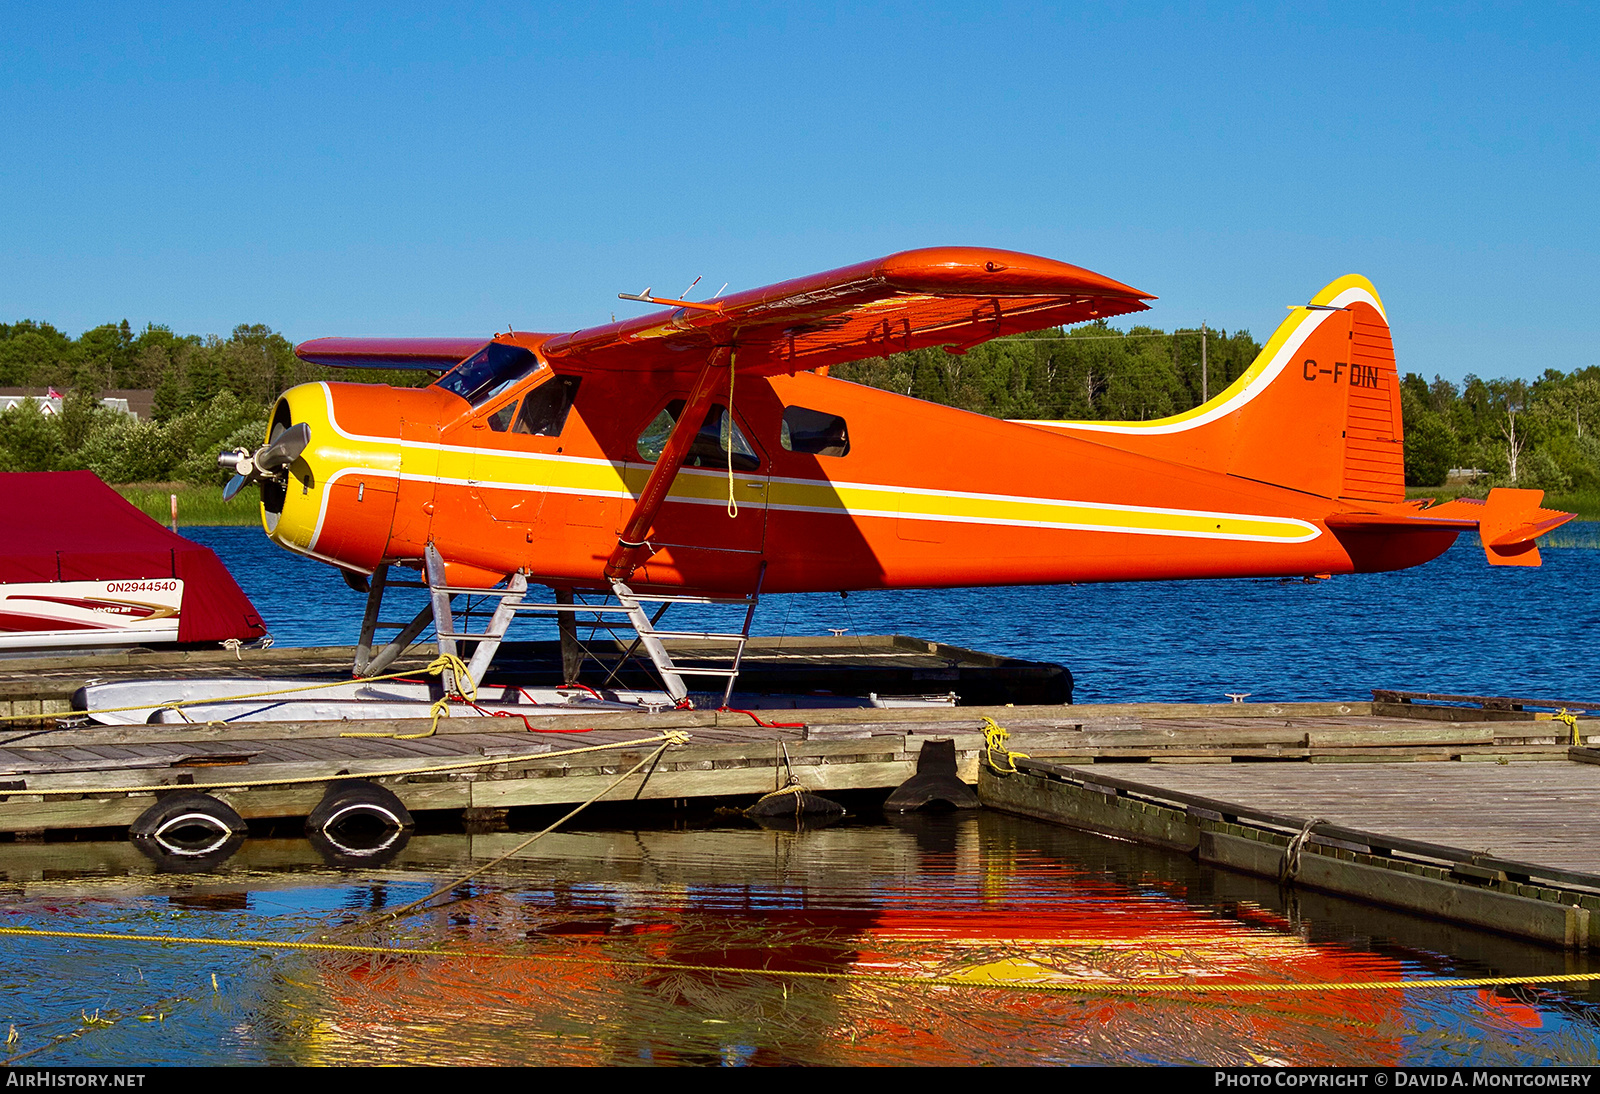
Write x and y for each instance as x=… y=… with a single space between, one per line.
x=949 y=296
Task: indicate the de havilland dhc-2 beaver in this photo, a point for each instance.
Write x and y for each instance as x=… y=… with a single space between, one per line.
x=702 y=451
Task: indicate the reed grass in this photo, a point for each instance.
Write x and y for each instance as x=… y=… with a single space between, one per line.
x=1585 y=503
x=1579 y=533
x=197 y=505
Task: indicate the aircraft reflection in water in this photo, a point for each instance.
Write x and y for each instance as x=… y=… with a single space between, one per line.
x=945 y=896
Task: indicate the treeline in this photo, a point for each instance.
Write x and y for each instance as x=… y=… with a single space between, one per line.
x=1536 y=435
x=209 y=393
x=212 y=393
x=1090 y=372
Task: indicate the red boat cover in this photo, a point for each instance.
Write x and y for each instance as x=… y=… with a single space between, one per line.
x=70 y=526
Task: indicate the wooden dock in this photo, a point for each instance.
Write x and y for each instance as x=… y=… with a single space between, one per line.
x=56 y=776
x=1480 y=812
x=1511 y=846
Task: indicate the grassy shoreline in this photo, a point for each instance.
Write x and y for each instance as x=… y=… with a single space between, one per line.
x=197 y=505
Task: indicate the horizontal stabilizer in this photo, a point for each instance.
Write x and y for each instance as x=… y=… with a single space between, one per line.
x=1401 y=519
x=1509 y=522
x=407 y=353
x=1530 y=530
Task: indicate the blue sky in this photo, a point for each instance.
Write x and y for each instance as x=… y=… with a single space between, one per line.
x=435 y=169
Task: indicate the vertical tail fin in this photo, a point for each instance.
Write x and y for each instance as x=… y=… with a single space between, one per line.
x=1318 y=410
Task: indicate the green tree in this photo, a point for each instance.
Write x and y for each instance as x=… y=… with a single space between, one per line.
x=1429 y=448
x=29 y=439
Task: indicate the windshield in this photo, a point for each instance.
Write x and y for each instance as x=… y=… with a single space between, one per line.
x=488 y=372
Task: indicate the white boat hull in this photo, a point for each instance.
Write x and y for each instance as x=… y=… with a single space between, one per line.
x=299 y=699
x=70 y=614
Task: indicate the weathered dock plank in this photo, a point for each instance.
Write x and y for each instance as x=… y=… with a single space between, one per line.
x=1541 y=812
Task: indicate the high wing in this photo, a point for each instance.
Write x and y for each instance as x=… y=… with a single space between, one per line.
x=437 y=354
x=955 y=297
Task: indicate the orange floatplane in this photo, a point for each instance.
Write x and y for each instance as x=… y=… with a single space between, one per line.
x=702 y=450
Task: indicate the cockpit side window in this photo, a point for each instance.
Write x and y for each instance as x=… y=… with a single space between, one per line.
x=711 y=445
x=488 y=372
x=544 y=411
x=500 y=420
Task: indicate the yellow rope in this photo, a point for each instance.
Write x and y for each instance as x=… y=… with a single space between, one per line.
x=1080 y=986
x=441 y=709
x=1571 y=721
x=435 y=667
x=671 y=736
x=994 y=739
x=794 y=788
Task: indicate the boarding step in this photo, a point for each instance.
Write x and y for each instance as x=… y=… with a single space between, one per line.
x=595 y=609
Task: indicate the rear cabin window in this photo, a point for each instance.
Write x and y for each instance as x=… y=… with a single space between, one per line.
x=488 y=372
x=814 y=432
x=710 y=446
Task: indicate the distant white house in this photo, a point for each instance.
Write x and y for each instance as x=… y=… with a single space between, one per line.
x=49 y=401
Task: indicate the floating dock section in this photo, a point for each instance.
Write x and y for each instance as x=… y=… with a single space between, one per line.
x=1473 y=810
x=1507 y=846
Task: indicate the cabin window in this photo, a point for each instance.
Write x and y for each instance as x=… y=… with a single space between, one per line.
x=813 y=432
x=500 y=420
x=488 y=372
x=544 y=411
x=710 y=446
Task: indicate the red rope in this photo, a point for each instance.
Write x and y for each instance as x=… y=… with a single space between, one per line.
x=524 y=717
x=759 y=722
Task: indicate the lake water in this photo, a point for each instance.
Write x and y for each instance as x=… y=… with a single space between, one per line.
x=684 y=936
x=619 y=945
x=1453 y=625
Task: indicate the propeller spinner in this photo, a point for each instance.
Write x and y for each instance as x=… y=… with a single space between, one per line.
x=270 y=462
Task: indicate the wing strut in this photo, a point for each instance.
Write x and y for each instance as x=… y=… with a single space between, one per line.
x=631 y=546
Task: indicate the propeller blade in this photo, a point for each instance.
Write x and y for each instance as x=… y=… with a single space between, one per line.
x=235 y=484
x=285 y=448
